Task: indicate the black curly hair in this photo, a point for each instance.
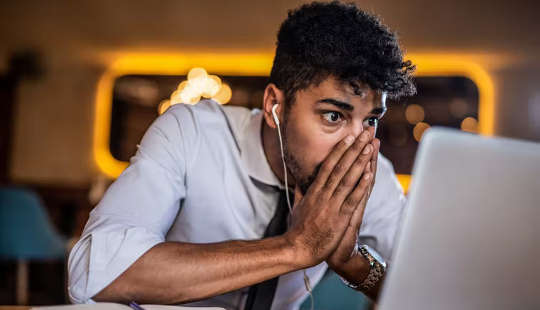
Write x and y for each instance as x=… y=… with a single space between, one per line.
x=319 y=39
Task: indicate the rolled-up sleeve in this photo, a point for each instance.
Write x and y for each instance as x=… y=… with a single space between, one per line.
x=137 y=210
x=384 y=211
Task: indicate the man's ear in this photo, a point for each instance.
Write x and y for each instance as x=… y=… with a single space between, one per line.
x=272 y=96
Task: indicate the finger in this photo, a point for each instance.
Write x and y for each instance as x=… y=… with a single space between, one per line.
x=354 y=198
x=358 y=214
x=376 y=146
x=376 y=143
x=346 y=246
x=369 y=170
x=351 y=234
x=297 y=195
x=352 y=177
x=330 y=161
x=346 y=163
x=371 y=130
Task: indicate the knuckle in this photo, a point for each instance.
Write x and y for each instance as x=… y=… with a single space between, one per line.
x=332 y=180
x=363 y=185
x=353 y=201
x=339 y=168
x=365 y=158
x=342 y=145
x=359 y=165
x=326 y=168
x=364 y=137
x=338 y=190
x=349 y=181
x=360 y=162
x=348 y=205
x=339 y=149
x=359 y=145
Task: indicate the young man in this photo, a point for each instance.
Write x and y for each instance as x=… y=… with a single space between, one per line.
x=198 y=216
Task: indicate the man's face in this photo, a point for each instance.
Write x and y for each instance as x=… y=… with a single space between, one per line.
x=321 y=116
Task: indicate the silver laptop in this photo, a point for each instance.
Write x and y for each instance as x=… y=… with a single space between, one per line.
x=471 y=234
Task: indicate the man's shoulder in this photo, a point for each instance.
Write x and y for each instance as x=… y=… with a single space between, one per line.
x=239 y=119
x=210 y=120
x=204 y=110
x=208 y=112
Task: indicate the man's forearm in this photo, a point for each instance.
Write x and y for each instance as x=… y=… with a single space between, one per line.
x=174 y=272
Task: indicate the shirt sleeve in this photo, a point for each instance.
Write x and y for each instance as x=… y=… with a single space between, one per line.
x=137 y=210
x=384 y=210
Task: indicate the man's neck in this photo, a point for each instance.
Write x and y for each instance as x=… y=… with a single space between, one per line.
x=270 y=142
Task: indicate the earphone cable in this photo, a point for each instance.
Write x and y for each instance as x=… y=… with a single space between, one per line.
x=306 y=278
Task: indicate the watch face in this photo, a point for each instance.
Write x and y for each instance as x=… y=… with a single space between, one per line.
x=375 y=255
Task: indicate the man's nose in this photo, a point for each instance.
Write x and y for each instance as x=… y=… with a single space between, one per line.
x=357 y=128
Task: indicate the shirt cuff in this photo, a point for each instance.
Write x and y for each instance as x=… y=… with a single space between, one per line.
x=110 y=254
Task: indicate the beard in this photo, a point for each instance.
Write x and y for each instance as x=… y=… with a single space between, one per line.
x=293 y=162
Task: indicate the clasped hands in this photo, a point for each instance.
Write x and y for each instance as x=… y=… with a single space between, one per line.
x=325 y=220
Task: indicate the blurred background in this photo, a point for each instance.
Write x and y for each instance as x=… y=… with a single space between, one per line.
x=80 y=81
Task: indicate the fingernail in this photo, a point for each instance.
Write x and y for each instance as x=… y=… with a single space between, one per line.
x=368 y=166
x=367 y=176
x=367 y=149
x=349 y=140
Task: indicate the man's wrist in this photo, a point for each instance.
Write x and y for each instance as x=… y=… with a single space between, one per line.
x=294 y=254
x=355 y=271
x=377 y=269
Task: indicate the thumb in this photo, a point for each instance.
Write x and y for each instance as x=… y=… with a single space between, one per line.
x=297 y=195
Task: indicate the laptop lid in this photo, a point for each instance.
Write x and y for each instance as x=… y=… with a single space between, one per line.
x=471 y=233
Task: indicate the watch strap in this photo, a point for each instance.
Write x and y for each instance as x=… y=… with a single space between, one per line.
x=376 y=271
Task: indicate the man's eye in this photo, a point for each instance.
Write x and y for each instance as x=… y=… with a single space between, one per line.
x=371 y=122
x=332 y=117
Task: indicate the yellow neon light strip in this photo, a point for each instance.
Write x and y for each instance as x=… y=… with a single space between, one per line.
x=251 y=64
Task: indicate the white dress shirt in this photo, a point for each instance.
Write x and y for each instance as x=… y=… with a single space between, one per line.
x=200 y=175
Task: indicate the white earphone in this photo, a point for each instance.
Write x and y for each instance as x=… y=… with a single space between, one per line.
x=276 y=120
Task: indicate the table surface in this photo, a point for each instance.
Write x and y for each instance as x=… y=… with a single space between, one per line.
x=14 y=307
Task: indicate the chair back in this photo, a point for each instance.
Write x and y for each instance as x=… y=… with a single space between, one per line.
x=25 y=228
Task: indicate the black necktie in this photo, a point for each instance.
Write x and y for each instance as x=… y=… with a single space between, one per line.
x=261 y=295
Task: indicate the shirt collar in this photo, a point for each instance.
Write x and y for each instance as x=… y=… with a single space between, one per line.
x=252 y=152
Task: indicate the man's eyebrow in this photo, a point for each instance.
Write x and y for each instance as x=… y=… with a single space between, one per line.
x=348 y=107
x=340 y=104
x=379 y=111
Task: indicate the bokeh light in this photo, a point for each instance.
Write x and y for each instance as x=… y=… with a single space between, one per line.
x=469 y=124
x=163 y=106
x=224 y=94
x=200 y=84
x=197 y=73
x=211 y=86
x=414 y=114
x=418 y=130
